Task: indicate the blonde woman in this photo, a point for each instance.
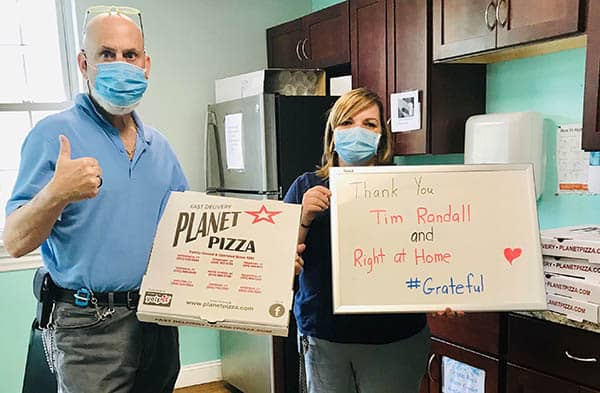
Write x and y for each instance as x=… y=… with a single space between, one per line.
x=349 y=353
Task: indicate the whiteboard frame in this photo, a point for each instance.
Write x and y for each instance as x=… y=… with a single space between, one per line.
x=537 y=302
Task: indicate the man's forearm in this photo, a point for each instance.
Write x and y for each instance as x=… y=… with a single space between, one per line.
x=28 y=226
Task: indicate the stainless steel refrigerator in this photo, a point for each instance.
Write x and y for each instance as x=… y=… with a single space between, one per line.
x=255 y=148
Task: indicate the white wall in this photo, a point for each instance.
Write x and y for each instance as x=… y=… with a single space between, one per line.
x=192 y=43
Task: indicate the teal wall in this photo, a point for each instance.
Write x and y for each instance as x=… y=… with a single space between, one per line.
x=17 y=306
x=552 y=85
x=320 y=4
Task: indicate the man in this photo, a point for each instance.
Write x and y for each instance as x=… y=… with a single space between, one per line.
x=90 y=190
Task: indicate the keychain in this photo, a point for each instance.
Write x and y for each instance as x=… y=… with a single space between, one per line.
x=84 y=296
x=101 y=315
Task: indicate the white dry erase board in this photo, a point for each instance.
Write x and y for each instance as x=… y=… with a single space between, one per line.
x=422 y=238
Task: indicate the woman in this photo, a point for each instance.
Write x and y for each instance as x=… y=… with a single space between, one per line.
x=349 y=353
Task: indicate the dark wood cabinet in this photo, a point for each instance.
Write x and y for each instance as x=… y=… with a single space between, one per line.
x=440 y=349
x=482 y=332
x=327 y=35
x=424 y=387
x=521 y=21
x=370 y=56
x=558 y=350
x=519 y=354
x=318 y=40
x=465 y=27
x=283 y=45
x=591 y=102
x=391 y=52
x=521 y=380
x=449 y=93
x=477 y=339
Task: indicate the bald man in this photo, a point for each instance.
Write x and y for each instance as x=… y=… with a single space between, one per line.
x=90 y=190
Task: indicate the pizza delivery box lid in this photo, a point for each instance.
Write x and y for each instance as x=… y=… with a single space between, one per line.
x=582 y=242
x=225 y=263
x=572 y=267
x=575 y=288
x=574 y=309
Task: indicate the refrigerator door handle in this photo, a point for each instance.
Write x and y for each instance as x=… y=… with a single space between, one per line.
x=211 y=123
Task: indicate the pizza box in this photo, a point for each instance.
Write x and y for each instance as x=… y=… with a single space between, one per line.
x=572 y=267
x=577 y=310
x=224 y=263
x=575 y=288
x=582 y=242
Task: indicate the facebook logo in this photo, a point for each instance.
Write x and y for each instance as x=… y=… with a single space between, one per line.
x=277 y=310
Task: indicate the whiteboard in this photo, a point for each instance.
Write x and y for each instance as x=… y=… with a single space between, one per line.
x=423 y=238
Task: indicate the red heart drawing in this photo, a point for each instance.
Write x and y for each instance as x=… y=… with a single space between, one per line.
x=511 y=254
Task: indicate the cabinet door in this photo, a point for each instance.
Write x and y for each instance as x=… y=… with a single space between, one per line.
x=591 y=102
x=522 y=21
x=412 y=61
x=462 y=27
x=284 y=45
x=520 y=380
x=327 y=37
x=562 y=351
x=440 y=348
x=370 y=50
x=481 y=332
x=424 y=388
x=449 y=93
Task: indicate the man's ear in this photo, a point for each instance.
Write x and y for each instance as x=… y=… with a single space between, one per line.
x=148 y=64
x=83 y=65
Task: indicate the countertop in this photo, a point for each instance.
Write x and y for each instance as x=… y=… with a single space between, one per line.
x=561 y=319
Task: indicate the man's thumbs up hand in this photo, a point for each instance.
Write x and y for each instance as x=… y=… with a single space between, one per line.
x=65 y=148
x=75 y=180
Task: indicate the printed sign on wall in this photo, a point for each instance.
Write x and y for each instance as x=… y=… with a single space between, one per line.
x=424 y=238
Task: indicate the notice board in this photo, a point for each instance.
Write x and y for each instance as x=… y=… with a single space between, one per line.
x=422 y=238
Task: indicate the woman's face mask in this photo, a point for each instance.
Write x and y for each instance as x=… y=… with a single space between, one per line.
x=355 y=145
x=119 y=87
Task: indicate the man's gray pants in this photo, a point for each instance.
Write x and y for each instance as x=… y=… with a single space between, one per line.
x=91 y=351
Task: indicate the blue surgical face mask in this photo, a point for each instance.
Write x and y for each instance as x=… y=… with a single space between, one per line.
x=355 y=145
x=119 y=86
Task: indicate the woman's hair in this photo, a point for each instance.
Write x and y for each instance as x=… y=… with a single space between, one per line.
x=347 y=106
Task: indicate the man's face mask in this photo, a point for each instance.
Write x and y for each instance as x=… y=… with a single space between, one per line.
x=355 y=145
x=119 y=87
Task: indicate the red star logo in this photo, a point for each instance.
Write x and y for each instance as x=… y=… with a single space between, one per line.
x=263 y=215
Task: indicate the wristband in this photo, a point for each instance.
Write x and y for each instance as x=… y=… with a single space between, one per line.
x=304 y=226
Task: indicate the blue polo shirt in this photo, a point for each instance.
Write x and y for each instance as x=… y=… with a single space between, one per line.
x=101 y=243
x=313 y=303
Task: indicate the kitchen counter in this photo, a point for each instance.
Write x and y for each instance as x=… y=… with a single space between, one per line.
x=561 y=319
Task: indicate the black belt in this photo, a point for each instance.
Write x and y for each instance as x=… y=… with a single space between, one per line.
x=127 y=299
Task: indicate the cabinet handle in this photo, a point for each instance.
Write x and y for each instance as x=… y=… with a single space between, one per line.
x=429 y=367
x=298 y=50
x=585 y=360
x=502 y=23
x=486 y=16
x=304 y=48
